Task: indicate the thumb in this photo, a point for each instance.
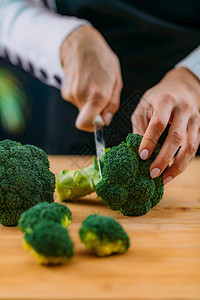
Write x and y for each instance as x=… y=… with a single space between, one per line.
x=111 y=107
x=87 y=115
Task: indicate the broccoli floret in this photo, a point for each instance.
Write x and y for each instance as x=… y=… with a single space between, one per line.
x=46 y=235
x=45 y=211
x=126 y=184
x=113 y=195
x=49 y=243
x=104 y=235
x=25 y=180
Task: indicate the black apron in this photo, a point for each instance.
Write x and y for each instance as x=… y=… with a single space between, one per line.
x=149 y=37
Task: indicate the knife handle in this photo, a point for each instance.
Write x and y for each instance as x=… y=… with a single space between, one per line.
x=98 y=121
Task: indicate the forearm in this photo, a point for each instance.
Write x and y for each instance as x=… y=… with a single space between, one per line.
x=34 y=36
x=192 y=62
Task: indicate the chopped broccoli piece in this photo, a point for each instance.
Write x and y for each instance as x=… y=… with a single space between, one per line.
x=126 y=184
x=46 y=235
x=44 y=211
x=104 y=235
x=25 y=180
x=49 y=243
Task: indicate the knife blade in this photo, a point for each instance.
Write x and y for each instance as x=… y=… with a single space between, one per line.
x=99 y=140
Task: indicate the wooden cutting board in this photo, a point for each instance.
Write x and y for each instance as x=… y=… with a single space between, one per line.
x=163 y=261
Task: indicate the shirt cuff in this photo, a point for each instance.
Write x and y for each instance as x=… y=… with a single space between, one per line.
x=54 y=33
x=191 y=62
x=35 y=38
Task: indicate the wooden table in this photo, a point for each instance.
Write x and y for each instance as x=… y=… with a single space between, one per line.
x=162 y=263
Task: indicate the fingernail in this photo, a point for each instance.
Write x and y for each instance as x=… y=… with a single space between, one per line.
x=154 y=172
x=167 y=179
x=144 y=154
x=108 y=118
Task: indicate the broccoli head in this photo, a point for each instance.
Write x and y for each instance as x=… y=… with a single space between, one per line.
x=49 y=243
x=126 y=173
x=126 y=184
x=104 y=235
x=44 y=211
x=25 y=180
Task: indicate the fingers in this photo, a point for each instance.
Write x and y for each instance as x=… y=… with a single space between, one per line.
x=93 y=107
x=140 y=118
x=159 y=120
x=98 y=104
x=94 y=101
x=72 y=93
x=175 y=101
x=172 y=143
x=94 y=92
x=113 y=104
x=93 y=76
x=187 y=151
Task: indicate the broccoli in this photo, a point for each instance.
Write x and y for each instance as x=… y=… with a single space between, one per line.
x=25 y=180
x=104 y=235
x=73 y=184
x=49 y=243
x=46 y=235
x=126 y=184
x=44 y=211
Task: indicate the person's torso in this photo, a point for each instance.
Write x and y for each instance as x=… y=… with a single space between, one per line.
x=149 y=36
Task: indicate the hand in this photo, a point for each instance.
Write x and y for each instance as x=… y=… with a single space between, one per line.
x=174 y=100
x=93 y=76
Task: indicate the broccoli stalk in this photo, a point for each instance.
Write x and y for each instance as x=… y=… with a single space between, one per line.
x=73 y=184
x=126 y=184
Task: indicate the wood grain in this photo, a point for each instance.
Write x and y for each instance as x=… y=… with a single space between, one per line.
x=162 y=263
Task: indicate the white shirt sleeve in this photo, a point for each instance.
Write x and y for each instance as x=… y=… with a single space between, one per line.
x=191 y=62
x=33 y=35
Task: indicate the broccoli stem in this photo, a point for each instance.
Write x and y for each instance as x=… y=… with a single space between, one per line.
x=72 y=184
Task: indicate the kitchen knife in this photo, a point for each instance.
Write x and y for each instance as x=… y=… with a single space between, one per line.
x=99 y=139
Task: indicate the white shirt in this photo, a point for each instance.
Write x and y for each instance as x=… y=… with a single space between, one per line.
x=33 y=34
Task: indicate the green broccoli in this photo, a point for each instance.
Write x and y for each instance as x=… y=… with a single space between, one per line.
x=44 y=211
x=25 y=180
x=104 y=235
x=46 y=235
x=49 y=243
x=137 y=190
x=126 y=184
